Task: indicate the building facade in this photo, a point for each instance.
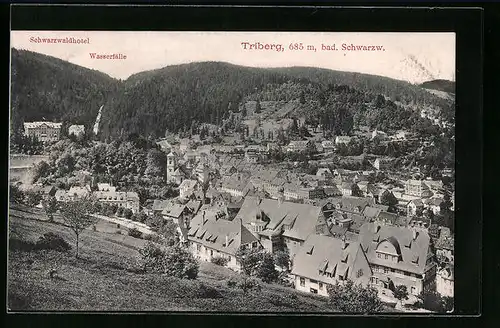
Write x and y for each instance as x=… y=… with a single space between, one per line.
x=43 y=131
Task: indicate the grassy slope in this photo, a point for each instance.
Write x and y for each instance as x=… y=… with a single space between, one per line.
x=106 y=279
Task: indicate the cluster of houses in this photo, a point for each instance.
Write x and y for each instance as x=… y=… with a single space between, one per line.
x=331 y=223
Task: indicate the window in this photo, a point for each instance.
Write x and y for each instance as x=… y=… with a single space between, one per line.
x=302 y=281
x=386 y=256
x=341 y=278
x=359 y=273
x=314 y=291
x=386 y=270
x=211 y=253
x=320 y=286
x=254 y=244
x=379 y=255
x=313 y=281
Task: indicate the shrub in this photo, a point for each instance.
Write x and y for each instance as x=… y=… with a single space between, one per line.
x=349 y=297
x=148 y=237
x=219 y=260
x=21 y=245
x=179 y=262
x=232 y=282
x=173 y=261
x=52 y=241
x=119 y=211
x=266 y=269
x=249 y=284
x=134 y=232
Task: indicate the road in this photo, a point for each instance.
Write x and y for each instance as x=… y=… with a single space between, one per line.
x=126 y=223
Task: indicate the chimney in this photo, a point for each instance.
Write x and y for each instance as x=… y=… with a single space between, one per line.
x=227 y=240
x=203 y=221
x=376 y=228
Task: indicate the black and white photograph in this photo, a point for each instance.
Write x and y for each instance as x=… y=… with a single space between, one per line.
x=231 y=172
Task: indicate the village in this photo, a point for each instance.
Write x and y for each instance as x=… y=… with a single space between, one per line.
x=375 y=225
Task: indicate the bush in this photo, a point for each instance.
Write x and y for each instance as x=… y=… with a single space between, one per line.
x=219 y=260
x=232 y=282
x=52 y=241
x=21 y=245
x=173 y=261
x=119 y=212
x=350 y=297
x=134 y=232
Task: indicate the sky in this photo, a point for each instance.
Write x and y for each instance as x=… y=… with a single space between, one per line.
x=412 y=57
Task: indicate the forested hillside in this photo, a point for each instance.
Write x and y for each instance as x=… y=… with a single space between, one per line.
x=171 y=98
x=47 y=88
x=440 y=85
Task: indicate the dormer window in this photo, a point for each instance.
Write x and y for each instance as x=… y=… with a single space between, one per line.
x=414 y=259
x=310 y=250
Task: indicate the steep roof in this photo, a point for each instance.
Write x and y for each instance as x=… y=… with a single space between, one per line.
x=371 y=212
x=302 y=217
x=160 y=205
x=188 y=184
x=349 y=203
x=214 y=233
x=414 y=252
x=173 y=210
x=324 y=254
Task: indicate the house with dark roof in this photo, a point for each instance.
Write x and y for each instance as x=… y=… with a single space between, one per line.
x=398 y=256
x=324 y=260
x=210 y=236
x=433 y=204
x=354 y=204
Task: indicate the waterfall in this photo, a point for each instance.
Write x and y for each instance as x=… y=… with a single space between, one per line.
x=97 y=121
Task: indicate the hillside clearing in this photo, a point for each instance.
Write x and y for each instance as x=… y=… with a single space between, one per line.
x=106 y=278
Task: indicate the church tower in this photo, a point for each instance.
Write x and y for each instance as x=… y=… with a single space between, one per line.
x=171 y=166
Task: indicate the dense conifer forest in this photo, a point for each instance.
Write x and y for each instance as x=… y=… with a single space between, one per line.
x=152 y=102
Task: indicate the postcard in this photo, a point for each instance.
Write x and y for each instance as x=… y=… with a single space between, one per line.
x=232 y=172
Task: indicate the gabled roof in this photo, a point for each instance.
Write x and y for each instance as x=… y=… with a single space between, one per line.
x=411 y=249
x=371 y=212
x=160 y=205
x=188 y=184
x=416 y=202
x=350 y=203
x=214 y=233
x=303 y=216
x=326 y=254
x=174 y=210
x=387 y=217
